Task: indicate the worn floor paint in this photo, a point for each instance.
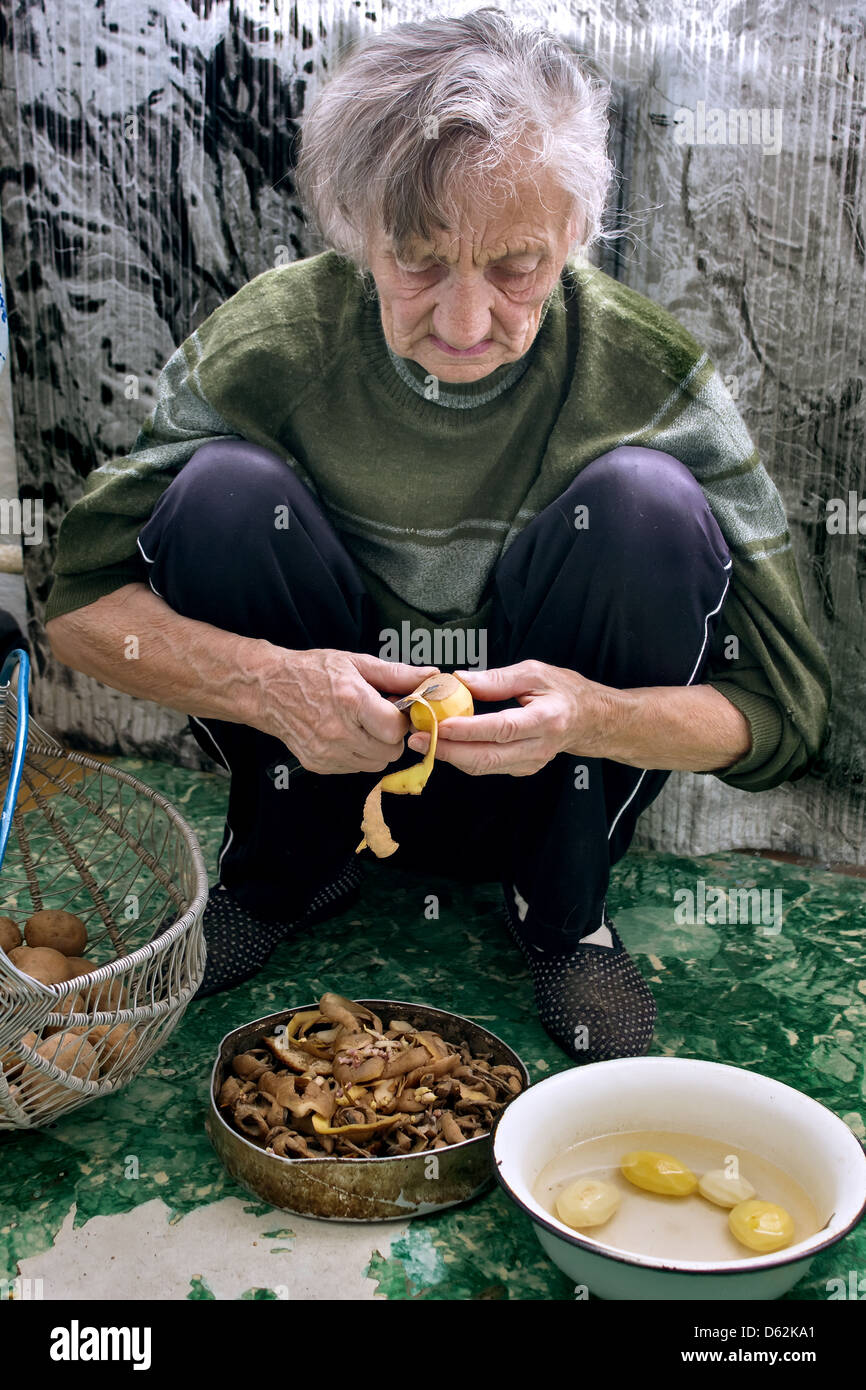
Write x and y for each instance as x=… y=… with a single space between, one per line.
x=223 y=1250
x=127 y=1196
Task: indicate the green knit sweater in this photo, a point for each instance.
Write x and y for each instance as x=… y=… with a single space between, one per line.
x=428 y=491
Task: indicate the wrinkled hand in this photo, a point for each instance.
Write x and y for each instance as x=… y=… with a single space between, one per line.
x=326 y=707
x=559 y=710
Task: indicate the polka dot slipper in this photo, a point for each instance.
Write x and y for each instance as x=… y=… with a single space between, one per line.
x=238 y=944
x=591 y=999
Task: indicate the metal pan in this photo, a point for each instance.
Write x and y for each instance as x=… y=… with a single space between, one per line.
x=360 y=1189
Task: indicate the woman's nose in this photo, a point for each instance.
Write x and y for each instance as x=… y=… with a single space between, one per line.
x=462 y=315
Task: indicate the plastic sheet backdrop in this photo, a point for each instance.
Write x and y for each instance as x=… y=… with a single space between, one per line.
x=146 y=171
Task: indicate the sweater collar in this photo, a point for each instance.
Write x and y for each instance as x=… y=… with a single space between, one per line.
x=458 y=395
x=409 y=381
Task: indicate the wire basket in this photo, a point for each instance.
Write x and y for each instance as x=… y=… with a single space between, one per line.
x=89 y=839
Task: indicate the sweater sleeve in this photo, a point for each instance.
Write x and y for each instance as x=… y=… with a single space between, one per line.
x=644 y=370
x=97 y=550
x=778 y=680
x=764 y=658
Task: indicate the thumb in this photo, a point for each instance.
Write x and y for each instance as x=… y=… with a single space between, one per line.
x=398 y=676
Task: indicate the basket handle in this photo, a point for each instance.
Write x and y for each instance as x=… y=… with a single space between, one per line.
x=17 y=656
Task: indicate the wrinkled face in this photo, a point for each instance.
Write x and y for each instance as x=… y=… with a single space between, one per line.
x=469 y=301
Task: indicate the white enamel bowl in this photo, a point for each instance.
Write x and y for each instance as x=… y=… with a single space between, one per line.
x=708 y=1099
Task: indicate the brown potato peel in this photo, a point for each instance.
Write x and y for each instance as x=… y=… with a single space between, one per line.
x=353 y=1089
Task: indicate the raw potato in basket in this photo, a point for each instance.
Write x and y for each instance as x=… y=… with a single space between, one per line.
x=10 y=936
x=62 y=931
x=336 y=1083
x=54 y=939
x=41 y=963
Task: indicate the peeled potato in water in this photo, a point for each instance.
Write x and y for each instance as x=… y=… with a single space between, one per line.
x=761 y=1226
x=658 y=1172
x=587 y=1202
x=726 y=1191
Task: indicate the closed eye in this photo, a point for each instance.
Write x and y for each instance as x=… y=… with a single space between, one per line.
x=513 y=276
x=415 y=267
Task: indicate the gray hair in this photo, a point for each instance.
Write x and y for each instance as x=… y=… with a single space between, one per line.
x=426 y=111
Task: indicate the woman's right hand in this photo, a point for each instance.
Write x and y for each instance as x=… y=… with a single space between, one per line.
x=326 y=707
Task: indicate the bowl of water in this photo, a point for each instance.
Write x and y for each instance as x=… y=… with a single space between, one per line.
x=580 y=1123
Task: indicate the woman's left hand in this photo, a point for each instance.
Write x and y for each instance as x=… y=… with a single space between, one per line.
x=560 y=712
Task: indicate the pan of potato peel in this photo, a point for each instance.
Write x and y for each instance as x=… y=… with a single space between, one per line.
x=361 y=1110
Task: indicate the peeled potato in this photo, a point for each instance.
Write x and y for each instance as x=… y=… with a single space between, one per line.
x=10 y=936
x=761 y=1226
x=112 y=1045
x=658 y=1172
x=62 y=931
x=587 y=1202
x=42 y=963
x=717 y=1186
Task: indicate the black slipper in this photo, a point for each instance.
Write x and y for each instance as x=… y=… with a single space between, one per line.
x=591 y=999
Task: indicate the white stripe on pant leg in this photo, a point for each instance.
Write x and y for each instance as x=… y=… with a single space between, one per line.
x=149 y=579
x=196 y=720
x=711 y=614
x=227 y=844
x=695 y=668
x=222 y=852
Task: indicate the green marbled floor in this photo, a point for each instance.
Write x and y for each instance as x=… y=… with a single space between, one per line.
x=792 y=1005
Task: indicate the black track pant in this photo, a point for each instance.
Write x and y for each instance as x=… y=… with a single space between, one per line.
x=628 y=596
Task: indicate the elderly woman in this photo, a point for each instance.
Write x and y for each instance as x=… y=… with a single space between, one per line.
x=449 y=441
